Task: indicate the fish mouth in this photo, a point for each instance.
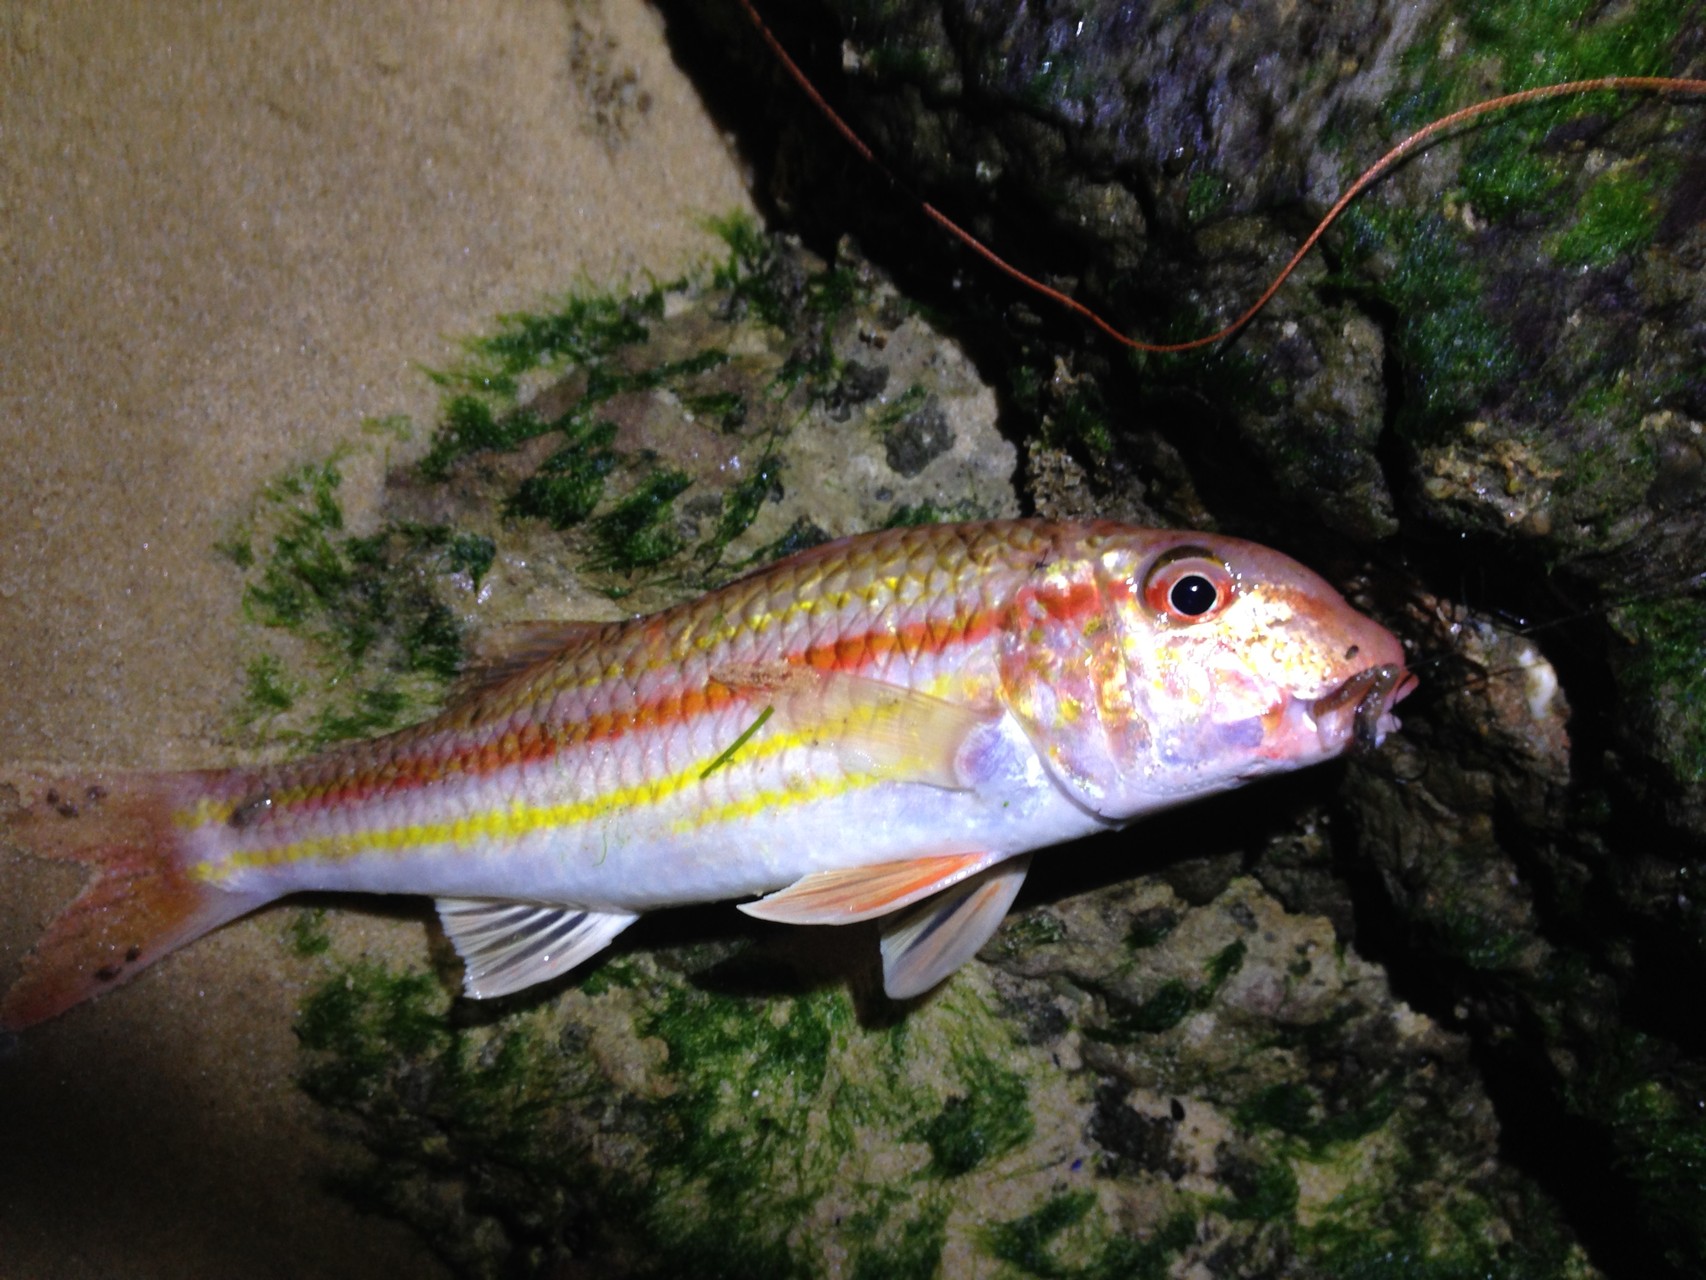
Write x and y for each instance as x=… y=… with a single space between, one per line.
x=1359 y=712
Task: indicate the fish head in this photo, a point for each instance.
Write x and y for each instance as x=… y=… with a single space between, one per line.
x=1193 y=664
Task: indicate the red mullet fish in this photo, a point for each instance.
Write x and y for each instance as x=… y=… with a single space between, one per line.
x=884 y=726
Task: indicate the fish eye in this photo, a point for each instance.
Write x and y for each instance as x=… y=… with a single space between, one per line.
x=1192 y=595
x=1188 y=585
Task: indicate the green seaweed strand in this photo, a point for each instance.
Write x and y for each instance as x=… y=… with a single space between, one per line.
x=738 y=743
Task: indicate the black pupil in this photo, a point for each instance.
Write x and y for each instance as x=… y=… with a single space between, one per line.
x=1192 y=595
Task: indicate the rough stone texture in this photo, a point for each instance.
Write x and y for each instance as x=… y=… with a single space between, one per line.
x=228 y=232
x=1176 y=1074
x=1480 y=412
x=1133 y=1086
x=1482 y=404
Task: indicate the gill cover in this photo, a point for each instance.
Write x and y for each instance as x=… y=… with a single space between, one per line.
x=1063 y=679
x=1078 y=646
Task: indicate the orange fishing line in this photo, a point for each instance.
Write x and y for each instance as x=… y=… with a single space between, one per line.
x=1420 y=138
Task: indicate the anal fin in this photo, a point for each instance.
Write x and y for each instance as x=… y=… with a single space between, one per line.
x=851 y=894
x=506 y=946
x=928 y=943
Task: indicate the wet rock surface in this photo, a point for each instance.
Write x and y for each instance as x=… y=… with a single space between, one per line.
x=1481 y=407
x=1168 y=1061
x=1423 y=1014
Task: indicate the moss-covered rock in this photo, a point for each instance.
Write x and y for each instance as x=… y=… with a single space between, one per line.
x=1480 y=409
x=726 y=1109
x=1482 y=406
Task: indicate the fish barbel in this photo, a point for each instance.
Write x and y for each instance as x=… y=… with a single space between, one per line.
x=883 y=726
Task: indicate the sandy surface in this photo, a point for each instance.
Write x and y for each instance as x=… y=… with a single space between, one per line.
x=227 y=233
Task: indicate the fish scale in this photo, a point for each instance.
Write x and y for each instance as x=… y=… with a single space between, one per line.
x=881 y=727
x=625 y=726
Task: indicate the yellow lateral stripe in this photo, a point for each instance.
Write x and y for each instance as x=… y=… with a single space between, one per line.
x=509 y=822
x=210 y=812
x=771 y=801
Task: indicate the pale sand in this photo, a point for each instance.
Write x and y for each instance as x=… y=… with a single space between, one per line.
x=229 y=232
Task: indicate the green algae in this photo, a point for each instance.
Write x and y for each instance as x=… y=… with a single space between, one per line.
x=1064 y=1239
x=763 y=1113
x=583 y=330
x=371 y=609
x=1376 y=1225
x=1074 y=417
x=1476 y=933
x=1519 y=45
x=729 y=408
x=733 y=1182
x=757 y=276
x=1651 y=1103
x=753 y=272
x=1171 y=1002
x=802 y=535
x=779 y=1134
x=1263 y=1191
x=909 y=514
x=368 y=1021
x=305 y=932
x=1318 y=1123
x=1661 y=1141
x=1515 y=172
x=1453 y=353
x=1028 y=932
x=1617 y=216
x=637 y=532
x=1666 y=675
x=1206 y=197
x=991 y=1118
x=1151 y=928
x=911 y=1250
x=568 y=486
x=348 y=591
x=740 y=507
x=1460 y=1242
x=468 y=424
x=596 y=354
x=1539 y=42
x=267 y=691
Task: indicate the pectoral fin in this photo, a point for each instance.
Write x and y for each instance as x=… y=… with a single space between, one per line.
x=874 y=726
x=506 y=946
x=860 y=893
x=928 y=943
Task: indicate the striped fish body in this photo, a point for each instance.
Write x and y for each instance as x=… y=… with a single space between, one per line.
x=883 y=726
x=597 y=775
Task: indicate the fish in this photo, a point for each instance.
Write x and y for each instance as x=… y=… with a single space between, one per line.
x=884 y=727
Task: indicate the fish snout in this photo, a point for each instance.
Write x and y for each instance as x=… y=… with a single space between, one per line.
x=1357 y=715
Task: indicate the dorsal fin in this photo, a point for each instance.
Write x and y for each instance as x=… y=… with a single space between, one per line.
x=502 y=652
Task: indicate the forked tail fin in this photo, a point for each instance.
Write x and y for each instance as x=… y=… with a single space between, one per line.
x=142 y=902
